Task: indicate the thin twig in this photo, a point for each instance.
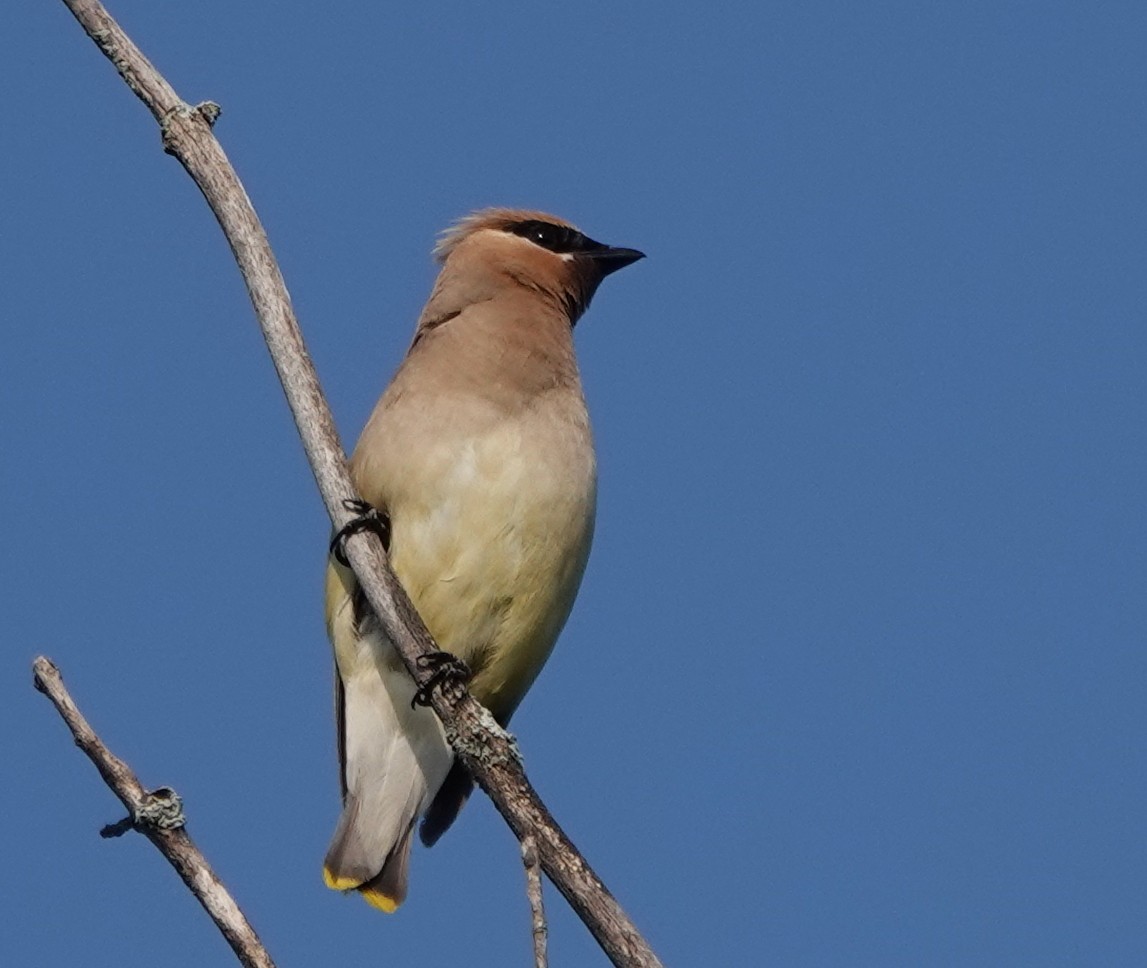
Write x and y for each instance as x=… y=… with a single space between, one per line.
x=158 y=816
x=487 y=750
x=534 y=895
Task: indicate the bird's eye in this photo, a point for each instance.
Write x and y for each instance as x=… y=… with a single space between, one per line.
x=556 y=238
x=547 y=236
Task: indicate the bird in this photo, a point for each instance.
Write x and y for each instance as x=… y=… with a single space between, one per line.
x=479 y=458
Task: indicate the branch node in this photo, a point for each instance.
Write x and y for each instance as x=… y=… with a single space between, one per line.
x=209 y=111
x=206 y=112
x=117 y=829
x=161 y=809
x=479 y=745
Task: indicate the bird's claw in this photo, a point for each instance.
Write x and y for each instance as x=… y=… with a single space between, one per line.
x=366 y=518
x=446 y=669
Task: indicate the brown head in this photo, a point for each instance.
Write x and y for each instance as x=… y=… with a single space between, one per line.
x=539 y=252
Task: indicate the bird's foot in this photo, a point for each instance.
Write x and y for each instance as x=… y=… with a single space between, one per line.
x=366 y=518
x=446 y=670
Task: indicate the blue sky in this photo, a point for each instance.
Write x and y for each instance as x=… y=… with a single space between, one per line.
x=857 y=672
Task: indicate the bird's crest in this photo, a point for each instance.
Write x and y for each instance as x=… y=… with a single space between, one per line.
x=488 y=218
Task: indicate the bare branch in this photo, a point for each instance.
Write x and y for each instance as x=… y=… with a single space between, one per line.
x=158 y=815
x=534 y=895
x=487 y=750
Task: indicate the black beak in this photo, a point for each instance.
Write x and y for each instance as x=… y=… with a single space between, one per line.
x=608 y=259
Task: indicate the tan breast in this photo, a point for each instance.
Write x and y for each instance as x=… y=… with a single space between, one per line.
x=481 y=452
x=491 y=523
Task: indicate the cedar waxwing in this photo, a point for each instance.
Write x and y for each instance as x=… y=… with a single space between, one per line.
x=480 y=455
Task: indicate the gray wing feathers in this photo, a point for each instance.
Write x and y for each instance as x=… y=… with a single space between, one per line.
x=447 y=803
x=395 y=757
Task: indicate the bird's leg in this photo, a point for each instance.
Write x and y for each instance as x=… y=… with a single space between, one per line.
x=367 y=518
x=446 y=669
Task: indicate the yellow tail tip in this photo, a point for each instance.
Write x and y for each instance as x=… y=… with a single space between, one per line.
x=384 y=902
x=336 y=883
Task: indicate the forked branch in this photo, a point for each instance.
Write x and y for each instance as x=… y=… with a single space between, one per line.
x=158 y=815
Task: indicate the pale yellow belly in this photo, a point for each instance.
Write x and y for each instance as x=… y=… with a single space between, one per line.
x=491 y=549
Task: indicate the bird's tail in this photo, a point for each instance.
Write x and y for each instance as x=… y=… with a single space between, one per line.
x=394 y=759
